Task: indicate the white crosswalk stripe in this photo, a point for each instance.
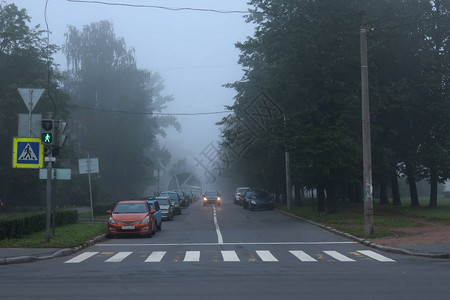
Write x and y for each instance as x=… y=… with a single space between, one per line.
x=118 y=257
x=81 y=257
x=232 y=256
x=338 y=256
x=375 y=256
x=192 y=256
x=156 y=256
x=266 y=255
x=302 y=256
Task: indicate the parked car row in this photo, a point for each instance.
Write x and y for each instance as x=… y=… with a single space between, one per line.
x=145 y=217
x=253 y=199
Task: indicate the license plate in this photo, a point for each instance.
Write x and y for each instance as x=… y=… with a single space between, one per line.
x=128 y=227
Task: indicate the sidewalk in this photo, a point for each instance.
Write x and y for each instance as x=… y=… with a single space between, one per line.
x=23 y=255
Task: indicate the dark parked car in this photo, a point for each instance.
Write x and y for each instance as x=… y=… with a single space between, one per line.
x=258 y=200
x=184 y=198
x=166 y=207
x=211 y=196
x=242 y=200
x=175 y=199
x=240 y=191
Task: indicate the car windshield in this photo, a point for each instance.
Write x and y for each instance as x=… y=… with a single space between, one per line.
x=163 y=202
x=261 y=195
x=130 y=208
x=211 y=193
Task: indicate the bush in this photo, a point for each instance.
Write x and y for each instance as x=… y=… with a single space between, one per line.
x=101 y=208
x=20 y=225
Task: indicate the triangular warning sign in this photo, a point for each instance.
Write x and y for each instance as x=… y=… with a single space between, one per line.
x=28 y=153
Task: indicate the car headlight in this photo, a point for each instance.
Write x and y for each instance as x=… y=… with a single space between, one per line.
x=111 y=221
x=204 y=199
x=146 y=220
x=218 y=198
x=253 y=202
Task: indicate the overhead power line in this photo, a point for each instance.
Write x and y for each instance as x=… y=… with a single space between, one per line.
x=152 y=113
x=162 y=7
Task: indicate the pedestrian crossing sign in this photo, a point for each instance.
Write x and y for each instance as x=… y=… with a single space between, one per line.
x=28 y=153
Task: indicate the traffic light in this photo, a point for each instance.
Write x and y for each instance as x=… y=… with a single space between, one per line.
x=60 y=136
x=48 y=132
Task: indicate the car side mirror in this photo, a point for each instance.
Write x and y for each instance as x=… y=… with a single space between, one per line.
x=152 y=211
x=109 y=211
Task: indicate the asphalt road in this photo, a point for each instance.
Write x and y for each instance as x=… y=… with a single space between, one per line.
x=226 y=252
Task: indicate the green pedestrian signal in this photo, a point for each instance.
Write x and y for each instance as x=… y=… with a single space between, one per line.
x=47 y=138
x=47 y=131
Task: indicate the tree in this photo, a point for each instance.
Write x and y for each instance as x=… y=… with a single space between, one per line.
x=115 y=102
x=25 y=61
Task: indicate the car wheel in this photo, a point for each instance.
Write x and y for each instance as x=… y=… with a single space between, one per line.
x=179 y=212
x=218 y=204
x=204 y=204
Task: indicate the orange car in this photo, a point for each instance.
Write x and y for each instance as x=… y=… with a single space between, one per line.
x=131 y=217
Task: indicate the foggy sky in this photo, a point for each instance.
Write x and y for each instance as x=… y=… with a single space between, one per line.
x=193 y=52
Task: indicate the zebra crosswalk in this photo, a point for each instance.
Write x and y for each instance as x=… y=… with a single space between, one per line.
x=232 y=256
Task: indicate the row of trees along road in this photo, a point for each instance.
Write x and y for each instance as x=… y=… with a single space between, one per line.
x=106 y=98
x=306 y=56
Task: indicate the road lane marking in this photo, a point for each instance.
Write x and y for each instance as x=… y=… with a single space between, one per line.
x=265 y=255
x=156 y=256
x=219 y=234
x=229 y=255
x=81 y=257
x=118 y=257
x=231 y=244
x=192 y=256
x=302 y=256
x=338 y=256
x=375 y=256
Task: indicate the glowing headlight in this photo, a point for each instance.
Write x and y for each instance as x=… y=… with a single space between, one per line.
x=146 y=220
x=204 y=199
x=218 y=198
x=253 y=202
x=111 y=221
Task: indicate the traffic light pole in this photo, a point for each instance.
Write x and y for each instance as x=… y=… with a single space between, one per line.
x=49 y=198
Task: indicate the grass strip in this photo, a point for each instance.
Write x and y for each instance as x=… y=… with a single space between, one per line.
x=66 y=236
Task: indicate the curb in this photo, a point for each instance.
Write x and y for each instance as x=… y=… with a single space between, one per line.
x=367 y=242
x=58 y=253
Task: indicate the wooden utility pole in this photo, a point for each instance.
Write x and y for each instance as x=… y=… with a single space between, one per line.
x=367 y=155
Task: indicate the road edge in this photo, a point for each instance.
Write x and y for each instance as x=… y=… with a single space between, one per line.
x=367 y=242
x=57 y=253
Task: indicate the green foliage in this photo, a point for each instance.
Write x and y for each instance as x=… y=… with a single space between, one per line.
x=115 y=101
x=101 y=208
x=66 y=236
x=17 y=226
x=306 y=56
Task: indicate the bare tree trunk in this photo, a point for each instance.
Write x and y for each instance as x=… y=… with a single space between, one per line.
x=383 y=194
x=433 y=186
x=410 y=173
x=298 y=195
x=395 y=188
x=331 y=198
x=320 y=198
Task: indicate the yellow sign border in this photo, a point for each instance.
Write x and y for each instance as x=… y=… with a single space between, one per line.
x=39 y=165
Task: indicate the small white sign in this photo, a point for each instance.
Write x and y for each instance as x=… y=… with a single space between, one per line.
x=88 y=165
x=60 y=174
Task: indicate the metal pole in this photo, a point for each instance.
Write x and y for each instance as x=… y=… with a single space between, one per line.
x=288 y=175
x=49 y=200
x=90 y=187
x=29 y=113
x=367 y=155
